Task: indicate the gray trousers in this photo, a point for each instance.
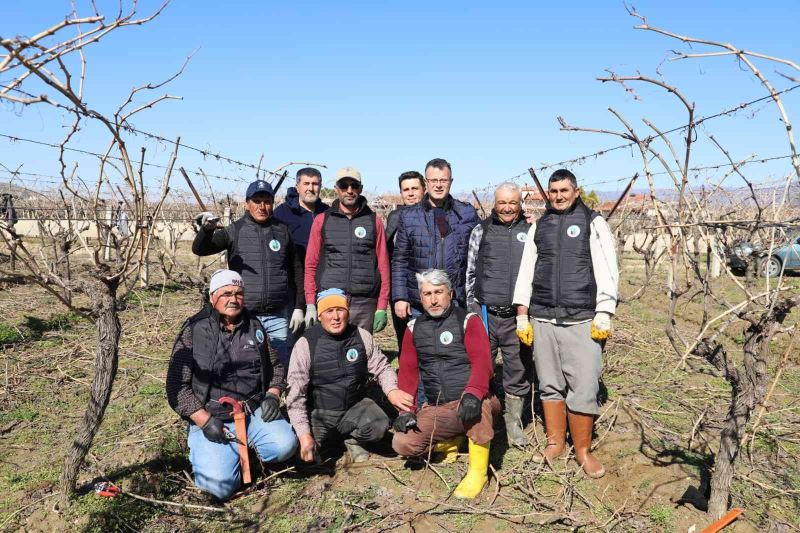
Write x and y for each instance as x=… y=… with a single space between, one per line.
x=364 y=422
x=516 y=356
x=362 y=311
x=568 y=364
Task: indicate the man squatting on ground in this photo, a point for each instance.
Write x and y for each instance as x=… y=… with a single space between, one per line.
x=328 y=374
x=495 y=252
x=223 y=351
x=347 y=250
x=412 y=189
x=261 y=249
x=448 y=349
x=568 y=284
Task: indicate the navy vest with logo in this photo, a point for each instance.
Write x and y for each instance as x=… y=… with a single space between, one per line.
x=260 y=253
x=217 y=372
x=348 y=260
x=498 y=260
x=443 y=362
x=563 y=280
x=338 y=377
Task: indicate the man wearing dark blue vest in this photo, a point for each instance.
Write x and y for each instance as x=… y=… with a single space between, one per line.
x=431 y=234
x=261 y=249
x=347 y=250
x=328 y=374
x=567 y=284
x=495 y=254
x=223 y=351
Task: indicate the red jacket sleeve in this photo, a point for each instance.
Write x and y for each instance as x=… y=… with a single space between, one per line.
x=476 y=342
x=312 y=259
x=408 y=376
x=383 y=264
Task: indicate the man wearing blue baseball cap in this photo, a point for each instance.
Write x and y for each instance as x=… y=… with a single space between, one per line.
x=261 y=249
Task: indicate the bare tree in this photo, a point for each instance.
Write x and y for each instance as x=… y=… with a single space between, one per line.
x=689 y=225
x=49 y=69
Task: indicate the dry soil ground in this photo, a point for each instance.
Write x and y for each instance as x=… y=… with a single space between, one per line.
x=656 y=437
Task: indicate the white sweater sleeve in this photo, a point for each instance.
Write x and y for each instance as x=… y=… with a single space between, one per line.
x=524 y=286
x=604 y=263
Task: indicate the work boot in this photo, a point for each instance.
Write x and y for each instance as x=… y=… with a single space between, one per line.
x=448 y=449
x=356 y=452
x=580 y=427
x=476 y=477
x=555 y=423
x=513 y=418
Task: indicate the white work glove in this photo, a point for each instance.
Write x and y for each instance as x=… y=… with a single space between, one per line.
x=524 y=330
x=296 y=321
x=311 y=315
x=207 y=220
x=601 y=326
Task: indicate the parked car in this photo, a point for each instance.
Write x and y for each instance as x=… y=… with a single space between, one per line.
x=784 y=256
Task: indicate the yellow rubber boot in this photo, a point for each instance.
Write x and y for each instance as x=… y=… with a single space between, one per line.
x=448 y=449
x=476 y=477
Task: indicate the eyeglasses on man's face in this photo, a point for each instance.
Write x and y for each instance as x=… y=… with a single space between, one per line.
x=441 y=181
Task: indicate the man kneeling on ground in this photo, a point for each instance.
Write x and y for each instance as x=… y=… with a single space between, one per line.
x=223 y=351
x=449 y=350
x=328 y=374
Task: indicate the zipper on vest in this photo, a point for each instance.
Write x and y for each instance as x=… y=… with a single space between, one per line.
x=511 y=267
x=264 y=276
x=349 y=255
x=558 y=261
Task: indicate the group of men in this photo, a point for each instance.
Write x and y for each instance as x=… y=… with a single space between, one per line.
x=309 y=284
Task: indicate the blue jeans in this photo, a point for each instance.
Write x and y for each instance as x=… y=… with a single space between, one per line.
x=277 y=328
x=216 y=466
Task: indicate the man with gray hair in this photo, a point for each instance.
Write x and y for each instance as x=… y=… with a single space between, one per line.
x=493 y=261
x=448 y=349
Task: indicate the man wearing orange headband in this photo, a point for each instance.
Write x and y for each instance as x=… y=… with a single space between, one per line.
x=327 y=382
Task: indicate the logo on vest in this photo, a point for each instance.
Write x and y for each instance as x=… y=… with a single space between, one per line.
x=446 y=337
x=259 y=336
x=274 y=245
x=573 y=231
x=360 y=232
x=522 y=236
x=351 y=355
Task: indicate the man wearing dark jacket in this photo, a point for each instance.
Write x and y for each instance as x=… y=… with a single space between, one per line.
x=412 y=189
x=261 y=249
x=495 y=254
x=431 y=234
x=300 y=206
x=347 y=250
x=222 y=351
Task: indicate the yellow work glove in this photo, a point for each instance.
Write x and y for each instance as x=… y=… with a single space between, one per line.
x=524 y=330
x=601 y=326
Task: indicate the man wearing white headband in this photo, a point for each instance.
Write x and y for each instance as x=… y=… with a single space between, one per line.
x=223 y=351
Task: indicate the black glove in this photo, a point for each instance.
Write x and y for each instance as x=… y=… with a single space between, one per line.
x=270 y=407
x=214 y=430
x=405 y=421
x=469 y=409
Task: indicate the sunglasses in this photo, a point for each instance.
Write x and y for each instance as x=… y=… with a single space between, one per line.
x=345 y=185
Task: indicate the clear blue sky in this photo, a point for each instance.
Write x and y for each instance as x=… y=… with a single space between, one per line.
x=387 y=86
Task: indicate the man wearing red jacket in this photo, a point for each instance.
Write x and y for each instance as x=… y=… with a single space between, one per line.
x=347 y=250
x=448 y=349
